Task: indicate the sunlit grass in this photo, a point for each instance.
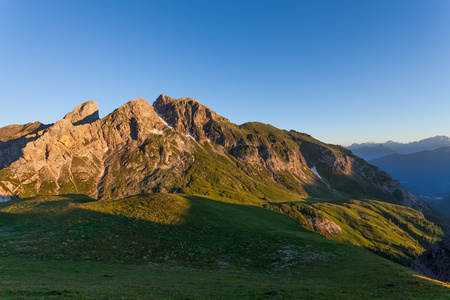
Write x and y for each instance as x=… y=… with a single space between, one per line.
x=167 y=209
x=444 y=284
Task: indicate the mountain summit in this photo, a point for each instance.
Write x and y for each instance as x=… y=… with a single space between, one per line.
x=181 y=145
x=187 y=115
x=83 y=113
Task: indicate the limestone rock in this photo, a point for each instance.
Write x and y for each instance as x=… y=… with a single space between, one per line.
x=324 y=227
x=13 y=139
x=83 y=114
x=187 y=115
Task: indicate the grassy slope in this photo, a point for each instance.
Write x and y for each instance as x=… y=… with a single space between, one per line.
x=183 y=246
x=390 y=230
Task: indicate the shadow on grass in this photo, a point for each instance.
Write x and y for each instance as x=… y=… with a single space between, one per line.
x=213 y=234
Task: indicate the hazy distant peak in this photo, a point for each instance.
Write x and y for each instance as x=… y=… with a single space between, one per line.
x=375 y=150
x=440 y=138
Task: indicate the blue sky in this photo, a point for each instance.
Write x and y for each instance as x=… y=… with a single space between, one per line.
x=342 y=71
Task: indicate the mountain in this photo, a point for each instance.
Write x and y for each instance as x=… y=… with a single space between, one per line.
x=168 y=160
x=442 y=205
x=435 y=262
x=425 y=173
x=370 y=151
x=180 y=145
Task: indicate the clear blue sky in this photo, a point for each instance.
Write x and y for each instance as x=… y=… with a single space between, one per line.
x=342 y=71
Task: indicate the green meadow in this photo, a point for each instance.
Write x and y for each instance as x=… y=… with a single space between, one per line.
x=173 y=246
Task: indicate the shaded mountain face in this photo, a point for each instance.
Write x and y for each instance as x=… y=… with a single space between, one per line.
x=435 y=262
x=425 y=173
x=180 y=145
x=13 y=139
x=442 y=205
x=370 y=151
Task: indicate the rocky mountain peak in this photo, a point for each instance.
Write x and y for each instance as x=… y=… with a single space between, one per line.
x=142 y=139
x=136 y=104
x=136 y=120
x=187 y=115
x=163 y=100
x=140 y=111
x=83 y=113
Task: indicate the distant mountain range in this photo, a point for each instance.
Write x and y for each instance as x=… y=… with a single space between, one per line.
x=370 y=150
x=425 y=173
x=442 y=205
x=422 y=167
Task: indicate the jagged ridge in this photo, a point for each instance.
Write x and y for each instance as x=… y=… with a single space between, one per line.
x=83 y=154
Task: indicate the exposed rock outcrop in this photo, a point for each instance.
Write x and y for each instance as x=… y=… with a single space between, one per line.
x=108 y=158
x=83 y=114
x=14 y=137
x=4 y=198
x=324 y=227
x=435 y=262
x=187 y=116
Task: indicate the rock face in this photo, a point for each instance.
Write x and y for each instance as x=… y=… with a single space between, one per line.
x=83 y=114
x=324 y=226
x=435 y=262
x=4 y=199
x=181 y=145
x=14 y=137
x=187 y=116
